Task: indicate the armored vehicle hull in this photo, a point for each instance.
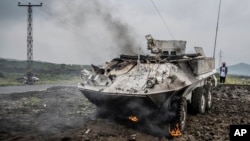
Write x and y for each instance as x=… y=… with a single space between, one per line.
x=152 y=87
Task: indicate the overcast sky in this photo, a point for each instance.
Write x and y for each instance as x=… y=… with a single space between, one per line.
x=89 y=31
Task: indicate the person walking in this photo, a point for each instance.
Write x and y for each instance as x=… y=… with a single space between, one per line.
x=223 y=72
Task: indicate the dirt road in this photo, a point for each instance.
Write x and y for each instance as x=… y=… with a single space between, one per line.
x=28 y=88
x=63 y=114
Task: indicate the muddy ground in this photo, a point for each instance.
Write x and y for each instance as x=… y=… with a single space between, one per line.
x=63 y=114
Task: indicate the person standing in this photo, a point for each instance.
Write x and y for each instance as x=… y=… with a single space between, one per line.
x=223 y=73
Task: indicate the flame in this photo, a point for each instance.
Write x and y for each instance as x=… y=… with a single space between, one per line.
x=176 y=132
x=133 y=118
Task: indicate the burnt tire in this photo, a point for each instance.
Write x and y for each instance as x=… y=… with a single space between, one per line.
x=198 y=101
x=208 y=96
x=181 y=115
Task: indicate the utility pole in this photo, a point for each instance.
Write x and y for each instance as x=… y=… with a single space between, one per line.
x=220 y=56
x=216 y=32
x=29 y=41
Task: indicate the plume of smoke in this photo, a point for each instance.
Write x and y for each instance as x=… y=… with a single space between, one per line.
x=152 y=121
x=122 y=34
x=98 y=31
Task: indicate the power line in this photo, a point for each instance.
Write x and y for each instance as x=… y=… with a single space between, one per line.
x=163 y=20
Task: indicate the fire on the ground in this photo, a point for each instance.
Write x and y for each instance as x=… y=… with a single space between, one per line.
x=176 y=132
x=133 y=118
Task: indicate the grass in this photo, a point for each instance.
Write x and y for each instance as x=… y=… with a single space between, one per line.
x=10 y=79
x=15 y=79
x=235 y=79
x=13 y=71
x=60 y=79
x=30 y=101
x=8 y=82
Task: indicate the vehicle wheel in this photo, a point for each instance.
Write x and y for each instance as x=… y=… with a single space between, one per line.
x=208 y=96
x=181 y=115
x=198 y=101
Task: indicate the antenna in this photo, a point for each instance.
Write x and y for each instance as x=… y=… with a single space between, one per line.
x=217 y=30
x=139 y=59
x=29 y=41
x=163 y=20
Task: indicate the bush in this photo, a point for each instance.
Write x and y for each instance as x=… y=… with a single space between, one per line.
x=1 y=75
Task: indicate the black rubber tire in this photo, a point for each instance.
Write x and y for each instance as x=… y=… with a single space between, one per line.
x=198 y=101
x=181 y=115
x=208 y=96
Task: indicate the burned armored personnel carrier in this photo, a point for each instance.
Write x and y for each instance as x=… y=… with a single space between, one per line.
x=156 y=88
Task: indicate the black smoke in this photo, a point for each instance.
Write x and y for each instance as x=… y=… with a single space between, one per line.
x=95 y=23
x=152 y=120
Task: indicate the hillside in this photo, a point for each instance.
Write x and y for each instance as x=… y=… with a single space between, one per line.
x=12 y=71
x=17 y=66
x=239 y=69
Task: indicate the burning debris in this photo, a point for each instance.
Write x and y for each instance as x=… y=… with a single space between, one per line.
x=176 y=132
x=133 y=118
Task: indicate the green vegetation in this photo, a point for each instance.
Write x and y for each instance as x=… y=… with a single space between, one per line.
x=10 y=79
x=13 y=71
x=235 y=79
x=30 y=101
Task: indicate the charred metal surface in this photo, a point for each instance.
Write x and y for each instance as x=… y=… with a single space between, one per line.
x=148 y=86
x=166 y=70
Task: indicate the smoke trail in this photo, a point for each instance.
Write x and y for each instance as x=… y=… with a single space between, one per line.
x=95 y=22
x=122 y=34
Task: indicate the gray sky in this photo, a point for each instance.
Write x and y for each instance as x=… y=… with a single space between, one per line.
x=89 y=31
